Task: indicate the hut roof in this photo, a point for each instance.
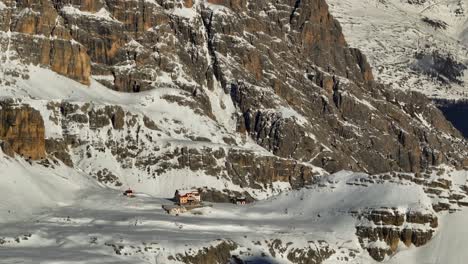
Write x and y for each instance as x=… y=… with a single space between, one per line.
x=185 y=192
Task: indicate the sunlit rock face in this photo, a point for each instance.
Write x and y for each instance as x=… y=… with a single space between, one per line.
x=22 y=131
x=299 y=90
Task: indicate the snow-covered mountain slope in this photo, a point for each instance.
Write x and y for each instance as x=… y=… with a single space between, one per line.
x=27 y=189
x=322 y=224
x=412 y=45
x=143 y=149
x=229 y=66
x=70 y=205
x=263 y=99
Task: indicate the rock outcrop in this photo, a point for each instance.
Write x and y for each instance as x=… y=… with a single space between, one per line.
x=387 y=227
x=220 y=253
x=336 y=116
x=36 y=32
x=252 y=97
x=315 y=253
x=21 y=131
x=223 y=251
x=132 y=141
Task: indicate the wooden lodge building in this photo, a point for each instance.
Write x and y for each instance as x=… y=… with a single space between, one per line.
x=187 y=197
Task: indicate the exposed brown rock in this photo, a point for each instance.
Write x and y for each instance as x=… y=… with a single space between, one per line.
x=44 y=39
x=22 y=131
x=68 y=59
x=218 y=254
x=58 y=148
x=389 y=228
x=188 y=3
x=422 y=218
x=294 y=57
x=224 y=196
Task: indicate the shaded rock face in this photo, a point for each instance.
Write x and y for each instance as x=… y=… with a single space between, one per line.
x=390 y=227
x=220 y=253
x=21 y=131
x=353 y=123
x=242 y=167
x=224 y=196
x=315 y=253
x=299 y=90
x=133 y=141
x=58 y=148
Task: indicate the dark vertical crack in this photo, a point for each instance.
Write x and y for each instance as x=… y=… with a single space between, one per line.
x=293 y=13
x=208 y=24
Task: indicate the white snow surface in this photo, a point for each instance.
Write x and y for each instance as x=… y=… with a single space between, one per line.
x=27 y=189
x=103 y=14
x=44 y=86
x=189 y=13
x=55 y=215
x=391 y=32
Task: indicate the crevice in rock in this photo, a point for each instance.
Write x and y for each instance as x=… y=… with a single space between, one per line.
x=208 y=24
x=293 y=13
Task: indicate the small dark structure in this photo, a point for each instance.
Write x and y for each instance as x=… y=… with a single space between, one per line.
x=239 y=200
x=129 y=193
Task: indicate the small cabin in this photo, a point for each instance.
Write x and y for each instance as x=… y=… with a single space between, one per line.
x=241 y=200
x=187 y=197
x=129 y=193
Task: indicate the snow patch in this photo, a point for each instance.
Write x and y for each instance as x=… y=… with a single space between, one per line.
x=102 y=14
x=288 y=112
x=184 y=12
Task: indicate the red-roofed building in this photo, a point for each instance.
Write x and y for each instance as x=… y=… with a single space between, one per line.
x=187 y=197
x=241 y=200
x=129 y=193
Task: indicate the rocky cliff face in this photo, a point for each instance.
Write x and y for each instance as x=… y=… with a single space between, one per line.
x=39 y=35
x=21 y=131
x=228 y=251
x=136 y=143
x=240 y=95
x=389 y=226
x=299 y=90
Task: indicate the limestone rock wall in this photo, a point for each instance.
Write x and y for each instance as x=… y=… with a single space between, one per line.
x=35 y=31
x=299 y=90
x=136 y=143
x=392 y=227
x=22 y=131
